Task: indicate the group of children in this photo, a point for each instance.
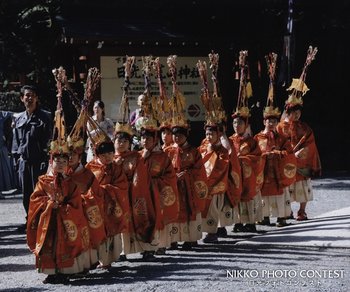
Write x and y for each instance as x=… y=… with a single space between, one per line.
x=125 y=201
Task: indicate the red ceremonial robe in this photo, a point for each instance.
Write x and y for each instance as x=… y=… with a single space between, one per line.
x=163 y=188
x=303 y=143
x=280 y=167
x=192 y=186
x=110 y=190
x=140 y=199
x=249 y=155
x=92 y=202
x=56 y=235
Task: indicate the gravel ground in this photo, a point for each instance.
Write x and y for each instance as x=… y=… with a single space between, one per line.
x=220 y=267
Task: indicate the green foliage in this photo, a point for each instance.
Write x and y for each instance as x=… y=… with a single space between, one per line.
x=10 y=101
x=28 y=34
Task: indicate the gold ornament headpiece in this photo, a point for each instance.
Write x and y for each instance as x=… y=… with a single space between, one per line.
x=298 y=88
x=123 y=128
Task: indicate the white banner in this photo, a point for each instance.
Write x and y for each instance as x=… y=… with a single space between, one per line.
x=188 y=80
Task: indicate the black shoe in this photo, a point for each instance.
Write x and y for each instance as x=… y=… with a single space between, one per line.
x=122 y=258
x=238 y=227
x=160 y=251
x=148 y=255
x=281 y=222
x=250 y=228
x=187 y=245
x=265 y=221
x=173 y=246
x=211 y=238
x=222 y=232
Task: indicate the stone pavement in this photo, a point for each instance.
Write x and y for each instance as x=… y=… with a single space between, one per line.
x=278 y=257
x=331 y=229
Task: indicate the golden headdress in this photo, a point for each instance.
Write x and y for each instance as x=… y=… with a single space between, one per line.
x=177 y=101
x=124 y=111
x=245 y=89
x=162 y=106
x=76 y=139
x=147 y=120
x=298 y=87
x=59 y=145
x=215 y=114
x=271 y=111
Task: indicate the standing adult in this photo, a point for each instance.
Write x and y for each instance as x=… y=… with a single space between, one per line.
x=7 y=180
x=31 y=135
x=105 y=123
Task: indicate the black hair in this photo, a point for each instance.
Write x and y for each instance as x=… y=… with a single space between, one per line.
x=105 y=147
x=243 y=119
x=63 y=155
x=211 y=128
x=180 y=130
x=123 y=135
x=100 y=104
x=162 y=129
x=271 y=118
x=149 y=133
x=293 y=108
x=29 y=87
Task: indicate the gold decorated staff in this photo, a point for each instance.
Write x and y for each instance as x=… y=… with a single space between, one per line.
x=177 y=101
x=76 y=136
x=124 y=110
x=270 y=110
x=245 y=90
x=215 y=113
x=58 y=143
x=162 y=107
x=149 y=100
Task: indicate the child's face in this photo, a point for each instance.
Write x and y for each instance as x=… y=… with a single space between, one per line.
x=74 y=159
x=211 y=136
x=106 y=158
x=167 y=137
x=121 y=145
x=148 y=142
x=239 y=126
x=59 y=164
x=270 y=124
x=294 y=115
x=179 y=138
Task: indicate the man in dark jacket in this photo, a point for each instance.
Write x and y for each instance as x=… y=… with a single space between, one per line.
x=31 y=135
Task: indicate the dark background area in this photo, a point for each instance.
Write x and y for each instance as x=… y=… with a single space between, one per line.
x=30 y=48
